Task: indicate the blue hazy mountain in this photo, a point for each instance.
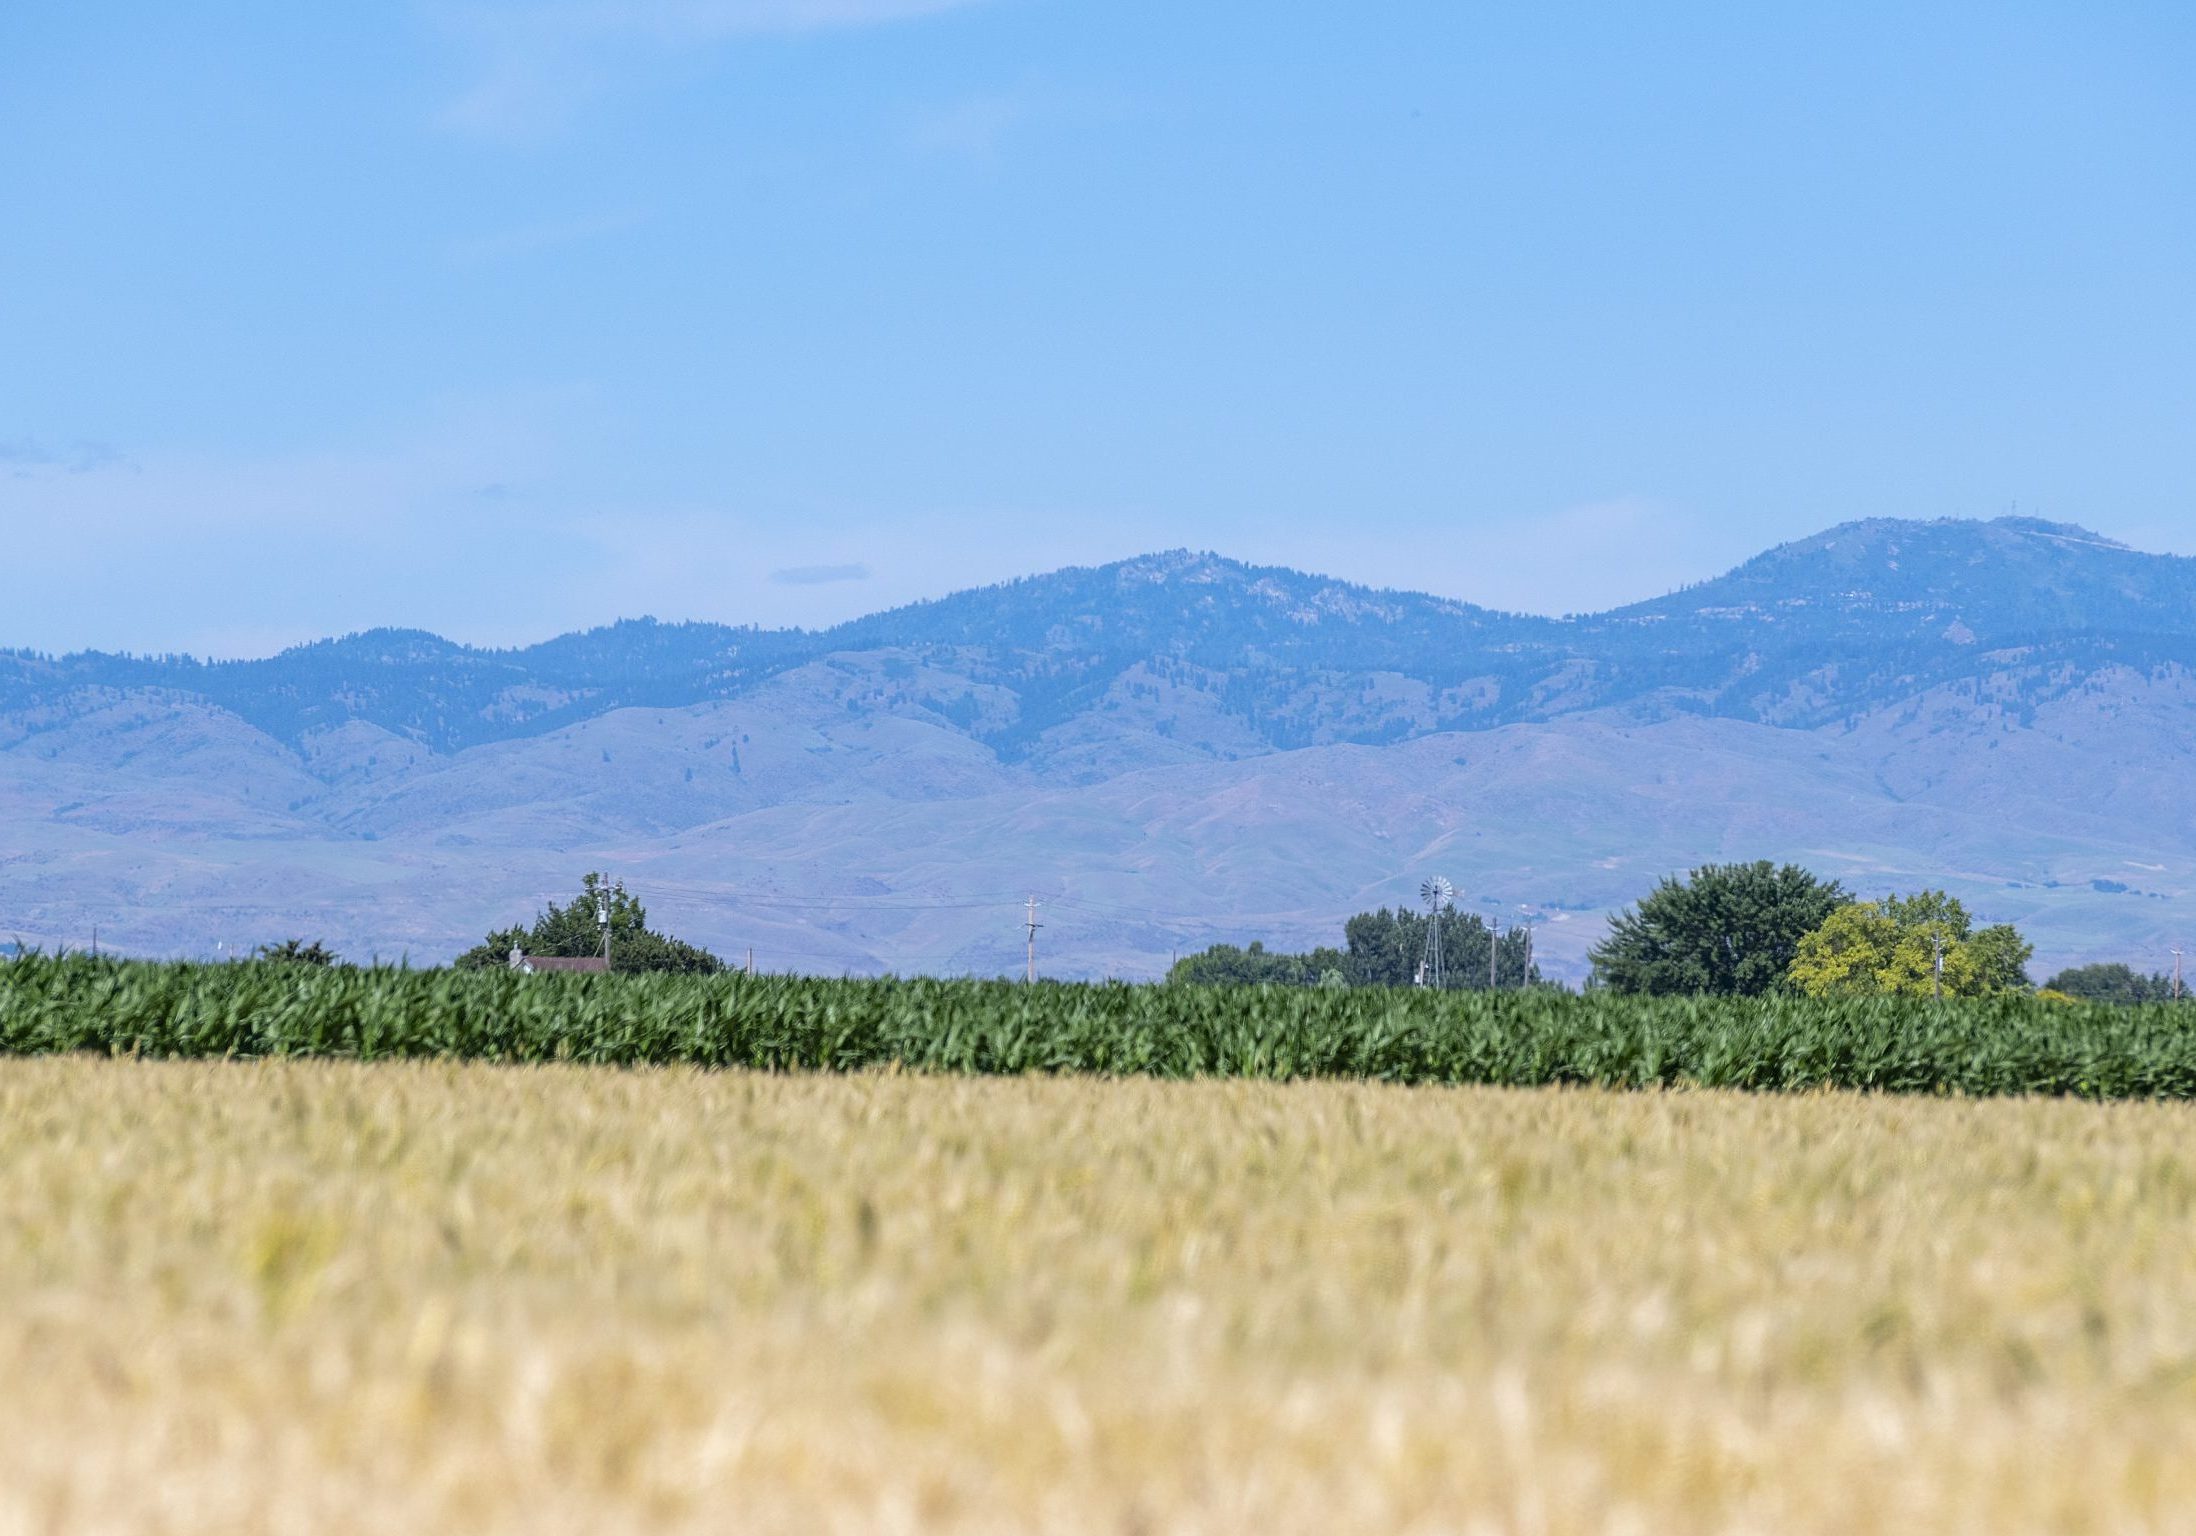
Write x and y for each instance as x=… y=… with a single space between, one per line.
x=1199 y=747
x=1828 y=627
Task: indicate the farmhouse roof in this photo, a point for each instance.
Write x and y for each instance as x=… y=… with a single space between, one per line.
x=563 y=963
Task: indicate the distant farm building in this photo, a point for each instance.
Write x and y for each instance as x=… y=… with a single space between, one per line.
x=530 y=964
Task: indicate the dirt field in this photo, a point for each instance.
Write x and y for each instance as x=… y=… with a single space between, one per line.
x=331 y=1299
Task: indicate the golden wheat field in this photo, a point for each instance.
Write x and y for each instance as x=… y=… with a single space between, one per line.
x=422 y=1298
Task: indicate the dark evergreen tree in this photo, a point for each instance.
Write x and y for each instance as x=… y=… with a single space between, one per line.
x=1725 y=928
x=298 y=952
x=572 y=931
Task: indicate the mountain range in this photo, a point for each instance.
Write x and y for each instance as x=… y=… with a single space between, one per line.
x=1165 y=751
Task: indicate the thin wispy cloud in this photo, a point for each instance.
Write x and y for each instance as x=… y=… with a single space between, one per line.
x=297 y=544
x=1641 y=547
x=971 y=128
x=24 y=457
x=542 y=58
x=1584 y=558
x=547 y=235
x=818 y=575
x=709 y=20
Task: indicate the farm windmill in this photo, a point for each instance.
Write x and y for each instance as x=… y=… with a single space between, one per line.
x=1437 y=893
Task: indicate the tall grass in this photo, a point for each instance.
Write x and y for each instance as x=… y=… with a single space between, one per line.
x=2009 y=1046
x=428 y=1297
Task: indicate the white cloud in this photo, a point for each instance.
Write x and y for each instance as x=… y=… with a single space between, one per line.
x=540 y=58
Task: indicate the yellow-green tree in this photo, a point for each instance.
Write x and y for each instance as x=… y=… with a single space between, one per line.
x=1892 y=948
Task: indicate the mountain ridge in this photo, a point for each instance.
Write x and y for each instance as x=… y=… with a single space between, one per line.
x=2003 y=708
x=1060 y=640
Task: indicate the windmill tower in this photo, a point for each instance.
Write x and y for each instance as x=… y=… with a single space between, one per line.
x=1437 y=893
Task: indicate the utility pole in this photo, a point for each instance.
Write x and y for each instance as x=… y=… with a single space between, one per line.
x=1936 y=982
x=602 y=917
x=750 y=959
x=1030 y=974
x=1494 y=949
x=2176 y=975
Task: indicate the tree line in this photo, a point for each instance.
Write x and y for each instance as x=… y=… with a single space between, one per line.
x=1752 y=929
x=1743 y=930
x=573 y=931
x=1737 y=930
x=1379 y=949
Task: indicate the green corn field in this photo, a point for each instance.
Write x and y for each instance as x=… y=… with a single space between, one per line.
x=780 y=1023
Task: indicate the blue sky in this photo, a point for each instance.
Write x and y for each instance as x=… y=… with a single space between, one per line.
x=508 y=317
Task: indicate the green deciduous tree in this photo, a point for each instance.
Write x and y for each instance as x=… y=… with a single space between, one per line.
x=573 y=931
x=1384 y=951
x=1386 y=948
x=2113 y=983
x=2001 y=958
x=1224 y=965
x=1910 y=946
x=1724 y=928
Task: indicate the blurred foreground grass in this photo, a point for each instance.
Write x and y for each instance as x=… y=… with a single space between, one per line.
x=327 y=1297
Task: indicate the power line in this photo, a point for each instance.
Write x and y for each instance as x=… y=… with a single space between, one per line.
x=765 y=952
x=1148 y=918
x=950 y=903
